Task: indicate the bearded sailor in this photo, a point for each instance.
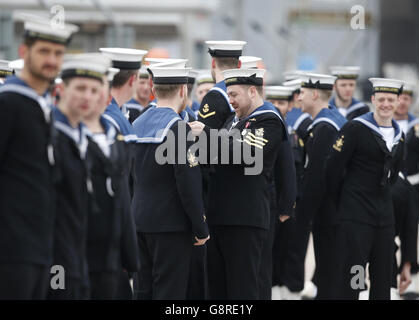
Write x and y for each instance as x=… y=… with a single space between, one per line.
x=124 y=84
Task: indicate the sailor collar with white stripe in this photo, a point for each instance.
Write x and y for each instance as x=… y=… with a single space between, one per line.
x=267 y=107
x=17 y=85
x=369 y=121
x=222 y=88
x=331 y=116
x=134 y=104
x=412 y=122
x=154 y=124
x=295 y=117
x=78 y=135
x=355 y=105
x=110 y=133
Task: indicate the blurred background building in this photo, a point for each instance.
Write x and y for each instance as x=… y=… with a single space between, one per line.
x=287 y=34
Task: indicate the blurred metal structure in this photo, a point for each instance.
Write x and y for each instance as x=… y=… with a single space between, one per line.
x=304 y=34
x=181 y=26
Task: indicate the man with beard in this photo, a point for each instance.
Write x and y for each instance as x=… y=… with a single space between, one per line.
x=344 y=88
x=27 y=163
x=123 y=87
x=240 y=221
x=215 y=106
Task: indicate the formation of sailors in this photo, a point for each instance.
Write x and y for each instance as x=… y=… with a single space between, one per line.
x=92 y=180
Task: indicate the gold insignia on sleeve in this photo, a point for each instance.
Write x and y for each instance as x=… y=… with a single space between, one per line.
x=120 y=137
x=205 y=109
x=204 y=116
x=259 y=132
x=193 y=161
x=255 y=140
x=311 y=134
x=253 y=119
x=338 y=144
x=416 y=128
x=301 y=142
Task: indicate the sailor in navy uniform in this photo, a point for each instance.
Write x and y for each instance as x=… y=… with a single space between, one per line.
x=409 y=124
x=80 y=90
x=204 y=82
x=403 y=117
x=112 y=241
x=141 y=97
x=406 y=228
x=239 y=203
x=27 y=164
x=278 y=97
x=365 y=161
x=5 y=70
x=314 y=205
x=124 y=84
x=193 y=105
x=215 y=107
x=288 y=265
x=167 y=204
x=344 y=89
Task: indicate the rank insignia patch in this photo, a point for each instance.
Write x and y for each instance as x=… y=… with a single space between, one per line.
x=192 y=159
x=338 y=144
x=205 y=113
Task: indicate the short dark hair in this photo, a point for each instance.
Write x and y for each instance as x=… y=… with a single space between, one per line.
x=190 y=88
x=122 y=77
x=29 y=41
x=325 y=94
x=227 y=63
x=166 y=91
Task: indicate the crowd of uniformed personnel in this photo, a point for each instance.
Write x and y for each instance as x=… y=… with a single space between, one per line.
x=98 y=175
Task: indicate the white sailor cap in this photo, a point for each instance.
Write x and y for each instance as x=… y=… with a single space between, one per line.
x=5 y=70
x=204 y=76
x=295 y=84
x=124 y=58
x=408 y=88
x=220 y=49
x=87 y=65
x=16 y=65
x=387 y=85
x=143 y=73
x=192 y=76
x=317 y=81
x=42 y=28
x=111 y=73
x=252 y=77
x=249 y=62
x=294 y=74
x=172 y=63
x=278 y=93
x=169 y=75
x=345 y=72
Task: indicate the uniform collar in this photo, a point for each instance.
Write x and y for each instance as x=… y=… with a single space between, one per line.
x=20 y=82
x=369 y=121
x=154 y=124
x=330 y=115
